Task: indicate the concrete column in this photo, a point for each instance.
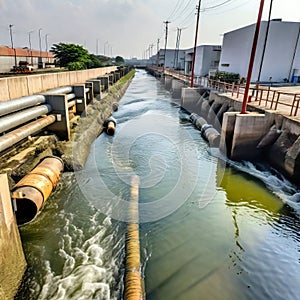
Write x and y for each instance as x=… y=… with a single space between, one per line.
x=190 y=100
x=111 y=78
x=59 y=106
x=177 y=86
x=248 y=131
x=90 y=95
x=168 y=82
x=104 y=82
x=81 y=102
x=227 y=133
x=96 y=87
x=12 y=259
x=292 y=161
x=117 y=76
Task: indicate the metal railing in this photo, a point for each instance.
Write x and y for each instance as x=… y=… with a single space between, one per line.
x=267 y=97
x=264 y=95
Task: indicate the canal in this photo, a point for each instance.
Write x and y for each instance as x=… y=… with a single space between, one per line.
x=208 y=229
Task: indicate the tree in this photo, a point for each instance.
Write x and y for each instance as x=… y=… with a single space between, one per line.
x=95 y=62
x=119 y=60
x=72 y=54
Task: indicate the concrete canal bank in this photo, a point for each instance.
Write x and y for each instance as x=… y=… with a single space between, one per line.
x=204 y=232
x=261 y=135
x=69 y=140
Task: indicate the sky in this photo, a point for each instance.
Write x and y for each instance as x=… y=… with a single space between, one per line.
x=129 y=27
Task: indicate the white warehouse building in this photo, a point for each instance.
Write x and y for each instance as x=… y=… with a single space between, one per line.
x=282 y=53
x=207 y=59
x=174 y=59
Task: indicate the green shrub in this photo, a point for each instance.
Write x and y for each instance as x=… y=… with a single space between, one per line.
x=227 y=77
x=76 y=65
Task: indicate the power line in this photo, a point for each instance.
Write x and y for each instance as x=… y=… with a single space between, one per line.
x=181 y=14
x=227 y=10
x=216 y=6
x=174 y=10
x=187 y=17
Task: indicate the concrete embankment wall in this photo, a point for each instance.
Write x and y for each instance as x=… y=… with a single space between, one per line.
x=19 y=86
x=19 y=160
x=260 y=135
x=12 y=260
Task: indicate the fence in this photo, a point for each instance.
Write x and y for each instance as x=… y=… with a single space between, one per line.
x=264 y=95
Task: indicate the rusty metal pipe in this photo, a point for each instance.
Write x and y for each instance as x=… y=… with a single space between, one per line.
x=31 y=192
x=11 y=106
x=10 y=121
x=17 y=135
x=133 y=279
x=110 y=126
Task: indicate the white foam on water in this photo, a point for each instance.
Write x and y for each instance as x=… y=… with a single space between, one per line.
x=274 y=181
x=84 y=275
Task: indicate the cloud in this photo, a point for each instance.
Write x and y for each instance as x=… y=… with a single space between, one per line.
x=128 y=25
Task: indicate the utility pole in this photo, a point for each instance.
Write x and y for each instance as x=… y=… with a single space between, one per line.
x=265 y=42
x=97 y=46
x=157 y=51
x=166 y=41
x=252 y=57
x=151 y=51
x=12 y=44
x=40 y=44
x=176 y=53
x=104 y=46
x=46 y=42
x=30 y=47
x=195 y=44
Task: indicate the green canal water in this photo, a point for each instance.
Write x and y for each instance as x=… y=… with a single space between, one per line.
x=208 y=229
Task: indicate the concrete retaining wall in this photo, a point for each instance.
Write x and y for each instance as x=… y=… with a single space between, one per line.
x=12 y=260
x=19 y=86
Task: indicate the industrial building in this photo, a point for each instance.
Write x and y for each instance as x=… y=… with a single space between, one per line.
x=10 y=57
x=281 y=61
x=207 y=59
x=174 y=59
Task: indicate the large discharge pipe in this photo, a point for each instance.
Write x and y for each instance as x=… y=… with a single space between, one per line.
x=62 y=90
x=19 y=134
x=10 y=121
x=31 y=192
x=11 y=106
x=133 y=279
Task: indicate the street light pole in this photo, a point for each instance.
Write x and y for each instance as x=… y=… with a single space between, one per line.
x=105 y=47
x=12 y=44
x=40 y=45
x=195 y=44
x=30 y=46
x=46 y=42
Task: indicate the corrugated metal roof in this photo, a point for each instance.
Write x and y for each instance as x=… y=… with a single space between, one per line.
x=7 y=51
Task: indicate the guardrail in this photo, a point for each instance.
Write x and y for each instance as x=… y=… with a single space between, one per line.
x=264 y=95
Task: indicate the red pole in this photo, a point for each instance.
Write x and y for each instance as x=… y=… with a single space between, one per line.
x=195 y=45
x=252 y=57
